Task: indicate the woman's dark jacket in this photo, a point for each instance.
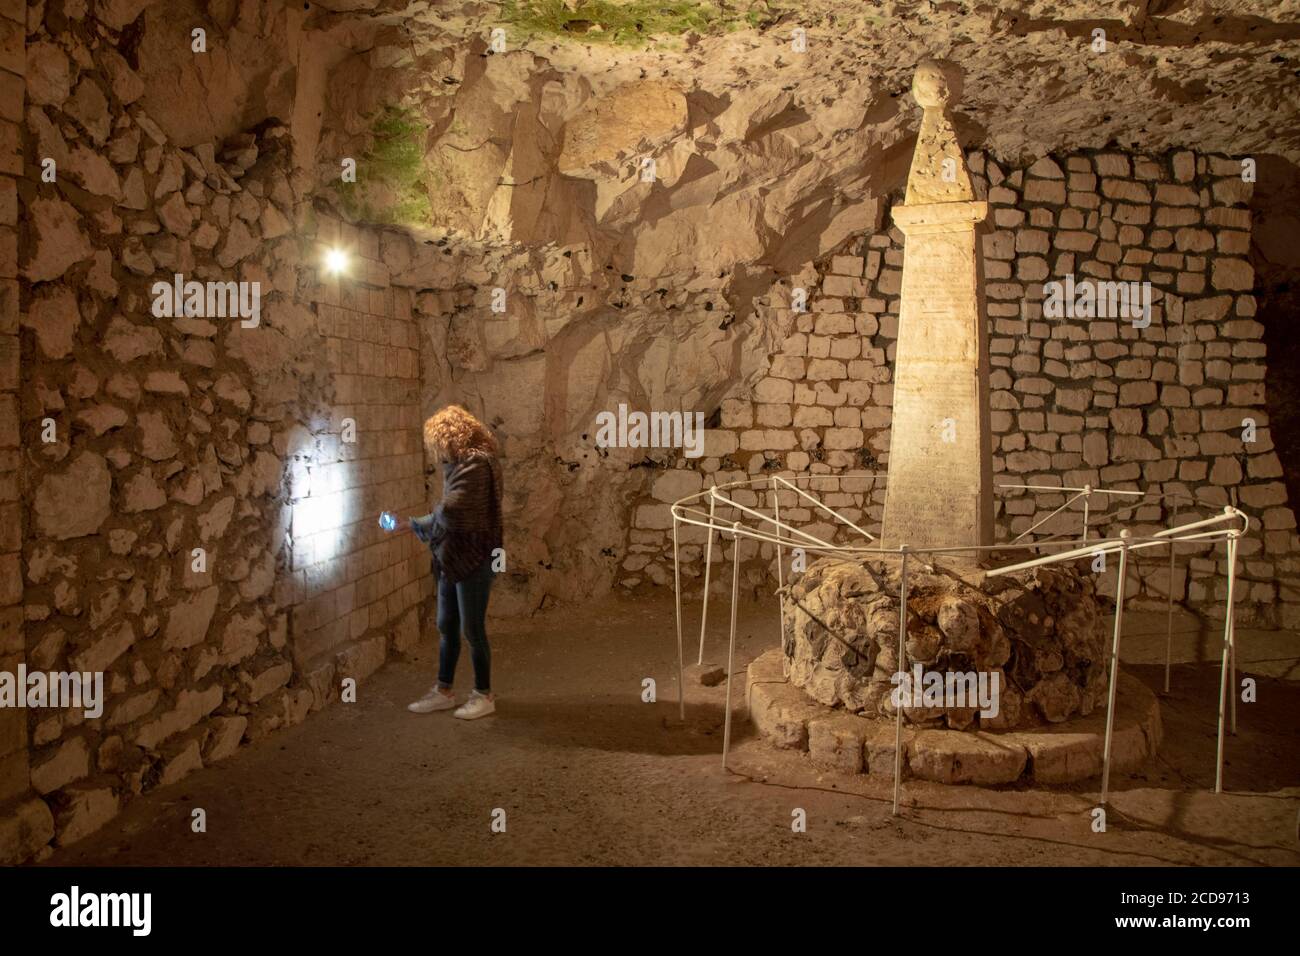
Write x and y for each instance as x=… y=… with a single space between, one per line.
x=465 y=528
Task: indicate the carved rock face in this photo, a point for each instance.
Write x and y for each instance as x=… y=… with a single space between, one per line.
x=1037 y=630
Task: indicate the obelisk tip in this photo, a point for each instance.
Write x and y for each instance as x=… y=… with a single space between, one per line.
x=937 y=84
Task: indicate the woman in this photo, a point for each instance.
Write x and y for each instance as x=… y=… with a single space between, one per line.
x=464 y=535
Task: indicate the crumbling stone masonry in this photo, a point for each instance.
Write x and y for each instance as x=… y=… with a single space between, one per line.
x=1034 y=631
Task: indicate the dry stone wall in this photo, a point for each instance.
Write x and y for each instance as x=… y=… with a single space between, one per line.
x=201 y=479
x=1076 y=400
x=24 y=820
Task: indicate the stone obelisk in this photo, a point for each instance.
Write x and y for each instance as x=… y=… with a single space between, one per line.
x=940 y=487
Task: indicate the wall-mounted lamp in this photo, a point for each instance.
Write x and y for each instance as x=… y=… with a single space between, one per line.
x=336 y=261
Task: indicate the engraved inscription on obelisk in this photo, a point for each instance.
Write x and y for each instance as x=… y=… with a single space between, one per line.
x=940 y=487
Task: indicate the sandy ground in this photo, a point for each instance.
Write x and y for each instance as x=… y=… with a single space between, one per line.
x=587 y=773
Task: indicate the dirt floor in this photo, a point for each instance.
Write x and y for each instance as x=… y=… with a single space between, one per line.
x=587 y=773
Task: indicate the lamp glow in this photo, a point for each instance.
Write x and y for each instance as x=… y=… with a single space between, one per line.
x=336 y=261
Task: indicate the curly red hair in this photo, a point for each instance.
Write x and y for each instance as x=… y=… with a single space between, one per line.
x=453 y=434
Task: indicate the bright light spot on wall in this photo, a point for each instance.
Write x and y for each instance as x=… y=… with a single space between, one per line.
x=324 y=504
x=336 y=261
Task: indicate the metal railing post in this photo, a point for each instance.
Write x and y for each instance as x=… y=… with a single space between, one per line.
x=901 y=669
x=1233 y=686
x=731 y=647
x=1114 y=663
x=1169 y=635
x=1224 y=688
x=677 y=585
x=708 y=564
x=780 y=557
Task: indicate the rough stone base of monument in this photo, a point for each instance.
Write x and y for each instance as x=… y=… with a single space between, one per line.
x=1033 y=635
x=1047 y=754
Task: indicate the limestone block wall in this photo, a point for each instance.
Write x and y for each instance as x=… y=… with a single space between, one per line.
x=349 y=583
x=200 y=489
x=1075 y=400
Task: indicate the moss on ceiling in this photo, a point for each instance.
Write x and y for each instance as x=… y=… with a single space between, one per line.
x=391 y=184
x=626 y=22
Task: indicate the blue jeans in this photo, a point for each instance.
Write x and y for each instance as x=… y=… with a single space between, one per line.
x=463 y=607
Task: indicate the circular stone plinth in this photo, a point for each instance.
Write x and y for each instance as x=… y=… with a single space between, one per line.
x=1049 y=754
x=1031 y=634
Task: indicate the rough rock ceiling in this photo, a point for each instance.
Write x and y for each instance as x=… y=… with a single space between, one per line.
x=793 y=146
x=1206 y=74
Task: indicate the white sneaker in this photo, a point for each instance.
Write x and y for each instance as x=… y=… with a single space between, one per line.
x=431 y=701
x=478 y=705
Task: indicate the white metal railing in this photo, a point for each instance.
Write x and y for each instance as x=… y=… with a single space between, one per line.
x=1228 y=525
